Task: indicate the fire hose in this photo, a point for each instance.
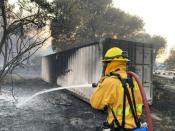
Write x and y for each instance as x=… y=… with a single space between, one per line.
x=145 y=102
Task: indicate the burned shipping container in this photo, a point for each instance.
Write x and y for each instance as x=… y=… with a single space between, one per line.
x=83 y=65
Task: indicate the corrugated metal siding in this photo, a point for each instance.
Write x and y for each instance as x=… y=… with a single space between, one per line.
x=83 y=65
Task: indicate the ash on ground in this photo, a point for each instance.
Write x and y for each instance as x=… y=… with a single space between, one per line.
x=61 y=111
x=54 y=111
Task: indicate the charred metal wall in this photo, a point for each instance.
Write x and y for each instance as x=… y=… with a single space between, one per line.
x=83 y=64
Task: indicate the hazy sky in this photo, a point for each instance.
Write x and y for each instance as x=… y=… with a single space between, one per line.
x=158 y=16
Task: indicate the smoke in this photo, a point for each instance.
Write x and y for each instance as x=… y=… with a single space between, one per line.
x=46 y=49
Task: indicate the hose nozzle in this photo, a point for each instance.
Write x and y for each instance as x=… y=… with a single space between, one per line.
x=94 y=85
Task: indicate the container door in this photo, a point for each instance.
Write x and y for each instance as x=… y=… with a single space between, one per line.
x=147 y=80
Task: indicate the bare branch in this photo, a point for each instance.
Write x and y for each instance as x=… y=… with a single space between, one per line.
x=22 y=37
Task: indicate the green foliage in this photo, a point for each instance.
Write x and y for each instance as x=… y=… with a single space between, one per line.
x=76 y=21
x=79 y=21
x=120 y=23
x=66 y=19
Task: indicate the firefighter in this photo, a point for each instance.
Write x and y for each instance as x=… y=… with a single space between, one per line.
x=113 y=91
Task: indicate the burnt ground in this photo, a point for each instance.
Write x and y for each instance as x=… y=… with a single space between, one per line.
x=164 y=107
x=61 y=111
x=54 y=111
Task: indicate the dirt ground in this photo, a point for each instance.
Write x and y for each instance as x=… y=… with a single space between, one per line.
x=61 y=111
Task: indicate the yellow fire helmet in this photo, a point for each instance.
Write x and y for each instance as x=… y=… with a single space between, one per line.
x=116 y=53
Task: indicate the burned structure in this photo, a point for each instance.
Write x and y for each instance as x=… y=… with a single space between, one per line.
x=83 y=65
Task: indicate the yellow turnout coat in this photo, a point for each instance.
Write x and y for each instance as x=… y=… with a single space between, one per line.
x=109 y=92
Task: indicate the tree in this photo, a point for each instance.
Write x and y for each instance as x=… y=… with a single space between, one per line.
x=75 y=21
x=84 y=21
x=170 y=62
x=159 y=44
x=118 y=22
x=22 y=33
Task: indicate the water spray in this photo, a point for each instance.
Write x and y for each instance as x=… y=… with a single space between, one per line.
x=51 y=90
